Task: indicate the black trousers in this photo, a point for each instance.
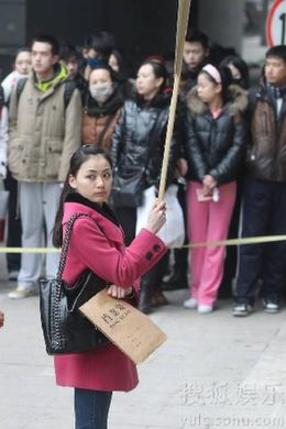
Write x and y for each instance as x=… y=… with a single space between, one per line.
x=263 y=213
x=225 y=289
x=181 y=255
x=14 y=224
x=127 y=218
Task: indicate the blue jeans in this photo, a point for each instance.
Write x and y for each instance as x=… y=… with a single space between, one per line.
x=91 y=408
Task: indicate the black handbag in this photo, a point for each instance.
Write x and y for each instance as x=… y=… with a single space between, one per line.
x=65 y=329
x=127 y=189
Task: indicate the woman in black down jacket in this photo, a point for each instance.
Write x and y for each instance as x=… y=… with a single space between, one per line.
x=138 y=146
x=214 y=146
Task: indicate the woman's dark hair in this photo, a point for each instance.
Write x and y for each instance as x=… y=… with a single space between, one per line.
x=119 y=58
x=78 y=158
x=103 y=43
x=278 y=51
x=22 y=49
x=159 y=70
x=102 y=65
x=68 y=52
x=196 y=36
x=226 y=81
x=241 y=65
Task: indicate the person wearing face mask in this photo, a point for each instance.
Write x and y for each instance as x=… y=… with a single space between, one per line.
x=98 y=47
x=102 y=107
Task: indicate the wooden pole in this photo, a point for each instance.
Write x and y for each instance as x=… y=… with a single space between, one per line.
x=182 y=26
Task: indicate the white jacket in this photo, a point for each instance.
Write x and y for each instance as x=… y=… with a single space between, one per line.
x=10 y=82
x=3 y=141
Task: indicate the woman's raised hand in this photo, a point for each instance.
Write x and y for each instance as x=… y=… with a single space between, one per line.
x=157 y=217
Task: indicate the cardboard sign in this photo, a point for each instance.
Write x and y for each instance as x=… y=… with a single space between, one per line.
x=129 y=329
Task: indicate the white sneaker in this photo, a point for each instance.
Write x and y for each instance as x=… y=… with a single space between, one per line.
x=205 y=309
x=22 y=292
x=13 y=275
x=190 y=303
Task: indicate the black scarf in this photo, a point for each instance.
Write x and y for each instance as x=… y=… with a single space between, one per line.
x=103 y=209
x=277 y=91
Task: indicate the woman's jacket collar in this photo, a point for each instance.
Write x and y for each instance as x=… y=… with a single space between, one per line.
x=92 y=208
x=236 y=105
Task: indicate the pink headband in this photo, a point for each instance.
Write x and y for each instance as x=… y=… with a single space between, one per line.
x=213 y=72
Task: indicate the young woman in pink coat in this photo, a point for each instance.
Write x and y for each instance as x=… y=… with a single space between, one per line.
x=98 y=244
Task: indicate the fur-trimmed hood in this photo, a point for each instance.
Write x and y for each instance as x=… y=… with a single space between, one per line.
x=237 y=101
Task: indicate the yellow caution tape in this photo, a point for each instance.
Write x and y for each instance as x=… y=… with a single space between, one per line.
x=29 y=250
x=229 y=242
x=238 y=241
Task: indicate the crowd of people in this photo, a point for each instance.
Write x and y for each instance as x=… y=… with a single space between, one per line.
x=79 y=136
x=228 y=155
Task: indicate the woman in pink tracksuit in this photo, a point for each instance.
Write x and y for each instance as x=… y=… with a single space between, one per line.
x=97 y=244
x=214 y=145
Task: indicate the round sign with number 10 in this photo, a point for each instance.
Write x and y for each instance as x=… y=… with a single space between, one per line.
x=276 y=24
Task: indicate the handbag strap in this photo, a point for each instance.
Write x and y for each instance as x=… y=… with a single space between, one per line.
x=66 y=241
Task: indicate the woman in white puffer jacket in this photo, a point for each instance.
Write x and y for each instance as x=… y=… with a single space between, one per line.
x=3 y=135
x=22 y=67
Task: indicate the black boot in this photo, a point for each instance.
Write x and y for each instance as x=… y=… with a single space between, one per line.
x=150 y=283
x=145 y=298
x=179 y=278
x=158 y=298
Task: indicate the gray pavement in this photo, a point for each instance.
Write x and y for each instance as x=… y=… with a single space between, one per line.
x=214 y=371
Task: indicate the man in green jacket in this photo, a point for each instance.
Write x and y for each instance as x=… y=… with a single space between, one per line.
x=45 y=129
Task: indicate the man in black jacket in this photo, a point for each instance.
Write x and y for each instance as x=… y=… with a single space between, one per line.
x=264 y=193
x=196 y=51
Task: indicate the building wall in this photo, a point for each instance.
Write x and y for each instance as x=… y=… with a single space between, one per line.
x=12 y=22
x=140 y=27
x=222 y=21
x=12 y=30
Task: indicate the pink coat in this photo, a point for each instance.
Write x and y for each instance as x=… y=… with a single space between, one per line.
x=102 y=250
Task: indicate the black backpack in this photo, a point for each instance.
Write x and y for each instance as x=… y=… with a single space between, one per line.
x=70 y=86
x=2 y=99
